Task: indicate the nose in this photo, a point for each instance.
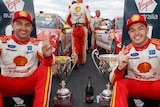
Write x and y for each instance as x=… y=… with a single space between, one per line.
x=23 y=27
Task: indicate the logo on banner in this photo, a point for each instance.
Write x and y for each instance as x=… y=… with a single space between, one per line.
x=146 y=6
x=14 y=5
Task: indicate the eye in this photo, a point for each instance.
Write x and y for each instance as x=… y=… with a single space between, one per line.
x=141 y=28
x=131 y=30
x=18 y=23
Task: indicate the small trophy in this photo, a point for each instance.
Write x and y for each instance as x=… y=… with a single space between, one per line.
x=63 y=68
x=105 y=96
x=106 y=62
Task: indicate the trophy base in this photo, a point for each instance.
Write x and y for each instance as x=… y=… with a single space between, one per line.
x=104 y=102
x=65 y=102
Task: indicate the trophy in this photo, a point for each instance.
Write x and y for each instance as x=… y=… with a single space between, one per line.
x=105 y=63
x=63 y=68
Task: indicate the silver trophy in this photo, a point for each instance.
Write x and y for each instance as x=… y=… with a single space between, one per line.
x=63 y=67
x=105 y=64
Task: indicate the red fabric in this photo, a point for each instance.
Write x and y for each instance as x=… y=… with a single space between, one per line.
x=136 y=18
x=135 y=89
x=68 y=21
x=38 y=83
x=22 y=14
x=78 y=31
x=78 y=39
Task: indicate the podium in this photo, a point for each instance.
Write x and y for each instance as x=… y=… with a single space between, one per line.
x=63 y=102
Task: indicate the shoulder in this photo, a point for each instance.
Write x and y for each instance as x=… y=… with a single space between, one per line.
x=69 y=6
x=128 y=48
x=4 y=39
x=87 y=6
x=156 y=42
x=35 y=41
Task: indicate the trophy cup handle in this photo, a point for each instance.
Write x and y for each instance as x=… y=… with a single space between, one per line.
x=104 y=71
x=95 y=52
x=74 y=58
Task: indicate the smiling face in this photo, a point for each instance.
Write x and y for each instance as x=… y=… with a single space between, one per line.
x=138 y=33
x=22 y=29
x=98 y=13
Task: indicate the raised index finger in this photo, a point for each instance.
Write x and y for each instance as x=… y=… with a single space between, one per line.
x=122 y=50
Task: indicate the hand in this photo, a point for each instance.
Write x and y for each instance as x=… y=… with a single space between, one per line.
x=46 y=47
x=122 y=59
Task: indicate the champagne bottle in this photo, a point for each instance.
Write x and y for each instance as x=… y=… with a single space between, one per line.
x=89 y=92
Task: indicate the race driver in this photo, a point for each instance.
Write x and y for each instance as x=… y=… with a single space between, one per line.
x=141 y=60
x=78 y=17
x=19 y=56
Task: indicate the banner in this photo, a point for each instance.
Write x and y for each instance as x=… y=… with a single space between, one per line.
x=150 y=9
x=8 y=7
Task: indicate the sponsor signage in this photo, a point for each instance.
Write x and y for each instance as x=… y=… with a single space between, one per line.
x=148 y=8
x=6 y=11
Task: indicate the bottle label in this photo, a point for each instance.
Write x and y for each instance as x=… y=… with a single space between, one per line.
x=89 y=99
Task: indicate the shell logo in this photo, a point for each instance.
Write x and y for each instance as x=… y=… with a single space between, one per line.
x=144 y=67
x=23 y=13
x=20 y=61
x=135 y=18
x=78 y=9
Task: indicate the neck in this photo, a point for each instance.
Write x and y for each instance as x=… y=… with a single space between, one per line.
x=20 y=41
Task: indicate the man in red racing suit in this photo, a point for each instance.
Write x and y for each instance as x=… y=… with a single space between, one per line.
x=141 y=60
x=78 y=17
x=19 y=56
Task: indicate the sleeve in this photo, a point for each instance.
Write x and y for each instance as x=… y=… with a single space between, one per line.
x=3 y=39
x=88 y=16
x=116 y=74
x=68 y=17
x=92 y=24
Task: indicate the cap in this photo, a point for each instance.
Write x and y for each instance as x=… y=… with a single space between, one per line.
x=136 y=18
x=22 y=14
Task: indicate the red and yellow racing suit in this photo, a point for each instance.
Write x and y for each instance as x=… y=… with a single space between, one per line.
x=78 y=17
x=20 y=73
x=143 y=74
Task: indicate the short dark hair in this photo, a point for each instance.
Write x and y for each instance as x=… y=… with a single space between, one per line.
x=74 y=2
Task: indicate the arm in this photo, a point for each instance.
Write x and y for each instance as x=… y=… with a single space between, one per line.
x=45 y=52
x=88 y=17
x=116 y=74
x=92 y=24
x=68 y=17
x=120 y=69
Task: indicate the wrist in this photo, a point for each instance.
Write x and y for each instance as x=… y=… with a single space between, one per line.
x=47 y=56
x=119 y=68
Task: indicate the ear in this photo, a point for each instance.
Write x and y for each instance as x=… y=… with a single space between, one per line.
x=12 y=24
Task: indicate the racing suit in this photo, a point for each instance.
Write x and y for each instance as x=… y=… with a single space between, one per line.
x=20 y=73
x=95 y=23
x=79 y=17
x=143 y=76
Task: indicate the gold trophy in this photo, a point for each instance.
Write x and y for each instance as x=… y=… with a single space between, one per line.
x=63 y=67
x=105 y=63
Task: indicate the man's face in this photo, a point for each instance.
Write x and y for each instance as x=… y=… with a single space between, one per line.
x=98 y=13
x=138 y=33
x=22 y=29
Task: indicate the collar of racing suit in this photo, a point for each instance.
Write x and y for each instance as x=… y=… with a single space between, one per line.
x=20 y=42
x=137 y=48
